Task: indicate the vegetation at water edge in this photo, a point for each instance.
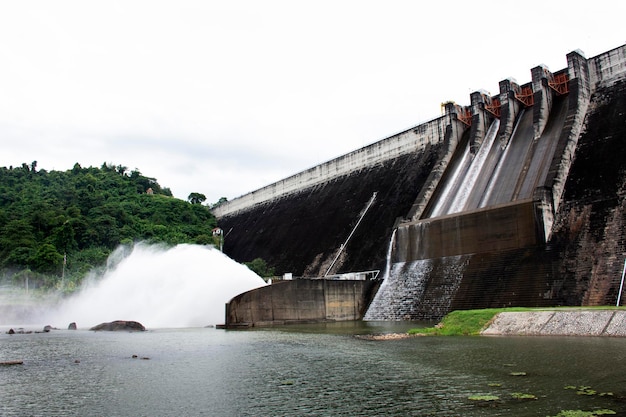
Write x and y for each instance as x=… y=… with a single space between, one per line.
x=461 y=323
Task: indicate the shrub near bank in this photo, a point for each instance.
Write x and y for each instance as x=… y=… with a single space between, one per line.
x=461 y=323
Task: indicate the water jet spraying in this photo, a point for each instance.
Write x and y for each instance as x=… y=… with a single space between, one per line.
x=183 y=286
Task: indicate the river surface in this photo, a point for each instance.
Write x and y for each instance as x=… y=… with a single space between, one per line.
x=313 y=370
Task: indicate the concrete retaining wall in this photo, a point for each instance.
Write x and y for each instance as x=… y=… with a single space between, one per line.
x=301 y=301
x=559 y=323
x=510 y=226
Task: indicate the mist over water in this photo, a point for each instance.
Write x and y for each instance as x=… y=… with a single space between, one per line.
x=183 y=286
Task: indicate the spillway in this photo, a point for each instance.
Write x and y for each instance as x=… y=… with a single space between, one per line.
x=502 y=185
x=501 y=171
x=484 y=201
x=464 y=181
x=543 y=150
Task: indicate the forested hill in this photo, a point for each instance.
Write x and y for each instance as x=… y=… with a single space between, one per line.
x=82 y=214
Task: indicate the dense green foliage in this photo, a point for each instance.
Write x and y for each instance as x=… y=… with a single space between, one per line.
x=82 y=214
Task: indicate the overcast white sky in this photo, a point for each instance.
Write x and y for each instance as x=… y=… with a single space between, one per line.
x=224 y=97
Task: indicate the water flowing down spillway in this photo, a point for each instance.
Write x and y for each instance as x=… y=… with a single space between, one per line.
x=406 y=284
x=449 y=193
x=476 y=169
x=183 y=286
x=395 y=300
x=464 y=180
x=402 y=294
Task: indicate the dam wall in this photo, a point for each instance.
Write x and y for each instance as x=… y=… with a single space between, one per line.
x=539 y=222
x=344 y=223
x=408 y=141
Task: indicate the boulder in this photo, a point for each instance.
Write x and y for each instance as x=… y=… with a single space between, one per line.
x=120 y=325
x=20 y=330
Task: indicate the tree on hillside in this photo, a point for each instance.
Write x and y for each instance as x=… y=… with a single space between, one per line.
x=196 y=198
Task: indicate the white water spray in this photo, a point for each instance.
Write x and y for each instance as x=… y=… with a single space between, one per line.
x=467 y=186
x=452 y=185
x=183 y=286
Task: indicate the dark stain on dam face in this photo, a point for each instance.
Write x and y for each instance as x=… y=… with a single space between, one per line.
x=591 y=224
x=599 y=165
x=301 y=233
x=556 y=237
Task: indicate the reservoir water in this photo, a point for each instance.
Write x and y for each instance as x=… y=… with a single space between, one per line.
x=313 y=370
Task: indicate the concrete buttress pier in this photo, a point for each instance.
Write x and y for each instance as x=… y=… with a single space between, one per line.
x=514 y=200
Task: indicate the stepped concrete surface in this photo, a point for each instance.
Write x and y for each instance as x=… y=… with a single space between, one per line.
x=559 y=323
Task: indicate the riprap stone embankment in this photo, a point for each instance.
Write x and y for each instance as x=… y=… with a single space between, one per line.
x=559 y=323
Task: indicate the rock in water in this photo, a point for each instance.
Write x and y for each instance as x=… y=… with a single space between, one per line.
x=120 y=325
x=72 y=326
x=9 y=363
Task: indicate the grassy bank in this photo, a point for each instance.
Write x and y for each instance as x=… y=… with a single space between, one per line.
x=471 y=322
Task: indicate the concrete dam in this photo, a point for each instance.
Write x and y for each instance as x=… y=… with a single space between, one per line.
x=516 y=199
